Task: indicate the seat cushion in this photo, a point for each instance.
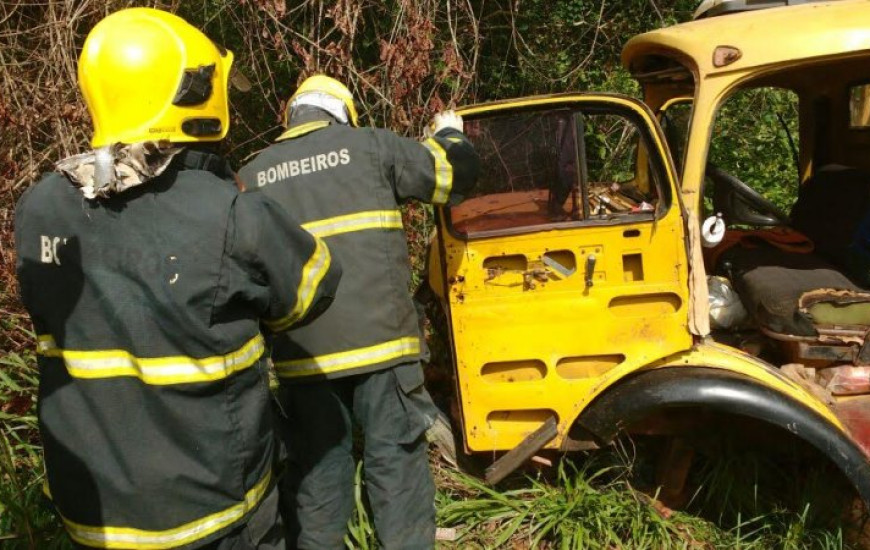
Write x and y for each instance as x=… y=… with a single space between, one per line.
x=840 y=308
x=771 y=282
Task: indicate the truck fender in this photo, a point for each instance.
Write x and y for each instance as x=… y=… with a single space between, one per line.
x=723 y=391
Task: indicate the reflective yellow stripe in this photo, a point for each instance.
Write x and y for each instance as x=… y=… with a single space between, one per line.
x=351 y=359
x=45 y=342
x=373 y=219
x=303 y=129
x=125 y=537
x=152 y=370
x=443 y=172
x=312 y=273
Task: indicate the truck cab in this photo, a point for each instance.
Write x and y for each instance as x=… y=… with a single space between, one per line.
x=574 y=279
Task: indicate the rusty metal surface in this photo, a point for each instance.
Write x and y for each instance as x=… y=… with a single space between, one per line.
x=863 y=357
x=514 y=458
x=827 y=353
x=854 y=412
x=846 y=379
x=832 y=295
x=808 y=379
x=827 y=335
x=672 y=472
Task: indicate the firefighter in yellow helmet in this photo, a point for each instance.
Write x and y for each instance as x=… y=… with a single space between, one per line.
x=148 y=275
x=361 y=360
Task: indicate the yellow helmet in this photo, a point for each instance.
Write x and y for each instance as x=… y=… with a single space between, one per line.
x=320 y=83
x=148 y=75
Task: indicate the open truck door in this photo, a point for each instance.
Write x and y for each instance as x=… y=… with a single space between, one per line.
x=565 y=279
x=566 y=268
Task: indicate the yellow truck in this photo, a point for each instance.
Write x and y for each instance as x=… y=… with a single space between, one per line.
x=575 y=281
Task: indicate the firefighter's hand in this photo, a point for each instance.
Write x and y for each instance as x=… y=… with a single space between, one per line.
x=444 y=119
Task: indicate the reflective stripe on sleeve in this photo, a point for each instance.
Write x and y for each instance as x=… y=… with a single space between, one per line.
x=152 y=370
x=125 y=537
x=44 y=343
x=443 y=172
x=313 y=272
x=351 y=359
x=372 y=219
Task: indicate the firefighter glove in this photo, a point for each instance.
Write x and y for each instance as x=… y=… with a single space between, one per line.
x=444 y=119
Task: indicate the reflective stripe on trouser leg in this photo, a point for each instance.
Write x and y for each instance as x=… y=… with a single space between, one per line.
x=398 y=481
x=262 y=531
x=317 y=489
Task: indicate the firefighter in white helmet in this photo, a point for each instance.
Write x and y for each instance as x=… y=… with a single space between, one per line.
x=147 y=275
x=361 y=360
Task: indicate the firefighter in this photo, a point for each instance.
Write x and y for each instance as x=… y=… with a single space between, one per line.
x=147 y=274
x=361 y=360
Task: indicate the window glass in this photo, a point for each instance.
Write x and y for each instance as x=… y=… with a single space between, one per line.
x=859 y=106
x=675 y=125
x=557 y=166
x=611 y=147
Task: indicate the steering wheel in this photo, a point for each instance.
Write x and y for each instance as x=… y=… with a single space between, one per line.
x=740 y=203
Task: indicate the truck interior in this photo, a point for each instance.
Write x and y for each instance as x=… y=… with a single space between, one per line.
x=801 y=263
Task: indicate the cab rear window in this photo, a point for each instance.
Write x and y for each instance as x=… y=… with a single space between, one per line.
x=859 y=106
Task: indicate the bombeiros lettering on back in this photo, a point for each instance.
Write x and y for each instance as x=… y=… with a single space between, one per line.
x=48 y=249
x=307 y=165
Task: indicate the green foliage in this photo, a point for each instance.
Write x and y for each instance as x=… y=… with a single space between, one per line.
x=751 y=141
x=611 y=148
x=571 y=513
x=790 y=496
x=572 y=45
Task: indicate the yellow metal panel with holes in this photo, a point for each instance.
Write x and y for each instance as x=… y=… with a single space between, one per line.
x=531 y=343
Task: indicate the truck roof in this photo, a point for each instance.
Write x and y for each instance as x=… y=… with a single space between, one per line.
x=779 y=35
x=712 y=8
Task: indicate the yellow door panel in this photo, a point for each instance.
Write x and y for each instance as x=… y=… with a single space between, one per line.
x=526 y=344
x=550 y=299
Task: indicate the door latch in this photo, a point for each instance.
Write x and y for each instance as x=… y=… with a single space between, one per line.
x=590 y=270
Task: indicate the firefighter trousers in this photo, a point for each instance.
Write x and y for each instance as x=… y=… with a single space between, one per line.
x=393 y=410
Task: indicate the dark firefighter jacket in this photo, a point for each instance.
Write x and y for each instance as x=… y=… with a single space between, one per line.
x=153 y=392
x=345 y=185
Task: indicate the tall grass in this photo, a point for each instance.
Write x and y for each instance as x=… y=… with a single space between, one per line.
x=26 y=519
x=595 y=506
x=588 y=503
x=360 y=530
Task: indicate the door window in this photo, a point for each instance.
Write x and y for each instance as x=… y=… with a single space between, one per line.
x=675 y=120
x=559 y=167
